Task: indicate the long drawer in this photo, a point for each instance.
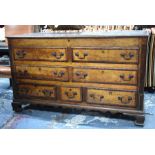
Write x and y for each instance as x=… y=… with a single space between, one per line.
x=40 y=54
x=105 y=76
x=49 y=73
x=105 y=55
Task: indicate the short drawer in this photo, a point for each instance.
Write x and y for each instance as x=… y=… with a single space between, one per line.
x=104 y=76
x=111 y=97
x=102 y=55
x=40 y=54
x=36 y=91
x=49 y=73
x=71 y=94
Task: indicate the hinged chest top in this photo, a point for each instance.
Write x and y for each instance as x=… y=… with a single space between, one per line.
x=125 y=33
x=88 y=70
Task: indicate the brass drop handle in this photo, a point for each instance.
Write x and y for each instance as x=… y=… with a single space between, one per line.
x=47 y=92
x=127 y=56
x=97 y=97
x=81 y=55
x=125 y=99
x=81 y=75
x=92 y=96
x=20 y=54
x=70 y=94
x=22 y=73
x=58 y=74
x=57 y=55
x=126 y=78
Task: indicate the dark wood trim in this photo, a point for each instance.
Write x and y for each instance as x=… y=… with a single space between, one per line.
x=39 y=47
x=70 y=54
x=97 y=68
x=12 y=68
x=141 y=102
x=107 y=62
x=80 y=67
x=81 y=105
x=107 y=48
x=141 y=72
x=143 y=68
x=88 y=87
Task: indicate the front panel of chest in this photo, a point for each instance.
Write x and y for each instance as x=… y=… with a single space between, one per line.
x=84 y=65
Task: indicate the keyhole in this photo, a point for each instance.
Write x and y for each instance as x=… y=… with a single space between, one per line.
x=103 y=52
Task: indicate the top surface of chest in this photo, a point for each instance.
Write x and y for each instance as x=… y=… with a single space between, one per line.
x=101 y=34
x=80 y=39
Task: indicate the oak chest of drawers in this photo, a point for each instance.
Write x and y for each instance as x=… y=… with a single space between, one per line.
x=97 y=71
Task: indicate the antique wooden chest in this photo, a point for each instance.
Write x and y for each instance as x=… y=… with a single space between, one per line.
x=96 y=71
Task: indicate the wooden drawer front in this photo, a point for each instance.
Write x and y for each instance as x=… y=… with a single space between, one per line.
x=98 y=96
x=41 y=42
x=49 y=73
x=36 y=91
x=96 y=55
x=40 y=54
x=105 y=76
x=106 y=42
x=71 y=94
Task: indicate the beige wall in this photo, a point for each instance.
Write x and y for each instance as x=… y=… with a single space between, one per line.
x=18 y=29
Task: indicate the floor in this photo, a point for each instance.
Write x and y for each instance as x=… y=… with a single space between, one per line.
x=56 y=118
